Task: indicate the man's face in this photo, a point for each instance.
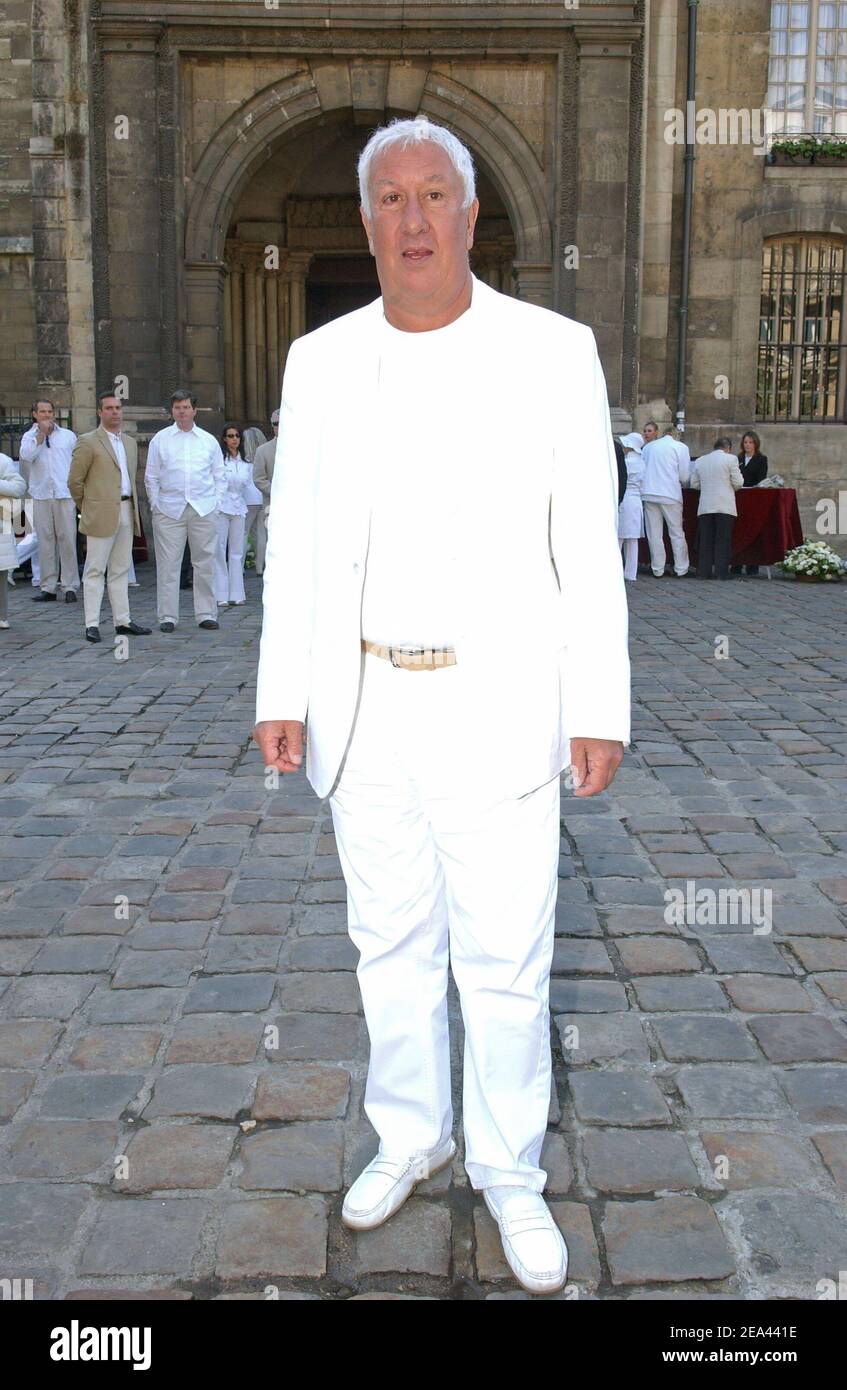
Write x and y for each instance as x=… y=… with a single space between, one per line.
x=419 y=232
x=45 y=416
x=275 y=424
x=650 y=433
x=111 y=413
x=183 y=413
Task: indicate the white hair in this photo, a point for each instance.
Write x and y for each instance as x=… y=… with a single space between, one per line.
x=405 y=132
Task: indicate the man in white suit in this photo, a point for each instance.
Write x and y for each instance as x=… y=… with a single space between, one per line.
x=443 y=596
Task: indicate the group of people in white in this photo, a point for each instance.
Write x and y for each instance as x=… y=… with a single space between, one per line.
x=658 y=467
x=205 y=494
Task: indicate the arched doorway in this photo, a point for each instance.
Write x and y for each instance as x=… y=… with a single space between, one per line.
x=297 y=256
x=305 y=120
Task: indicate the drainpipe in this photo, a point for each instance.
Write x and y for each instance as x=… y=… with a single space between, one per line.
x=688 y=191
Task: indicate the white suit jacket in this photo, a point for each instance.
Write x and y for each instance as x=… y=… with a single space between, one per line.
x=543 y=635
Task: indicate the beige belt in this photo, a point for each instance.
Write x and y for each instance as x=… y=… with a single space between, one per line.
x=413 y=658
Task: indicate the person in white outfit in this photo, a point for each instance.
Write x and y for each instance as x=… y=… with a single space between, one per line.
x=12 y=486
x=718 y=478
x=630 y=511
x=47 y=449
x=252 y=441
x=238 y=477
x=444 y=599
x=665 y=470
x=184 y=478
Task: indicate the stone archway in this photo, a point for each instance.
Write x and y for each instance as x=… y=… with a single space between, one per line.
x=374 y=92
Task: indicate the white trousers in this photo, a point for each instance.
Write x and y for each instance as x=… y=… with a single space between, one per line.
x=27 y=549
x=54 y=520
x=256 y=517
x=630 y=558
x=107 y=562
x=433 y=866
x=229 y=561
x=671 y=512
x=170 y=536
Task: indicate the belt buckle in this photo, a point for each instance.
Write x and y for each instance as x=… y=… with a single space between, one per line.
x=410 y=651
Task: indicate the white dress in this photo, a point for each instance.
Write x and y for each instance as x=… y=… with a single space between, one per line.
x=630 y=511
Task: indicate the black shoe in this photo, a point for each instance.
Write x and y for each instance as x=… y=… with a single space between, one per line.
x=44 y=597
x=70 y=596
x=209 y=623
x=166 y=627
x=92 y=634
x=134 y=630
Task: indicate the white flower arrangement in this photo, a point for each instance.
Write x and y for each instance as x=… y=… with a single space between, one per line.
x=814 y=560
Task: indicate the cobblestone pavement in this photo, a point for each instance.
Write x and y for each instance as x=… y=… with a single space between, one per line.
x=697 y=1142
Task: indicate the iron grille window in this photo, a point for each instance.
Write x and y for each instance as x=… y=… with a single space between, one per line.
x=802 y=367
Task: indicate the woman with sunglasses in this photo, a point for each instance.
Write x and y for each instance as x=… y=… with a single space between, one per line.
x=238 y=475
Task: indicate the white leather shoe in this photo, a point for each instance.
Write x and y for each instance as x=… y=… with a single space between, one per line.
x=532 y=1242
x=386 y=1182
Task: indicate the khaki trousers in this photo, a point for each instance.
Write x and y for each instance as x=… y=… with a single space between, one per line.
x=54 y=521
x=107 y=562
x=170 y=536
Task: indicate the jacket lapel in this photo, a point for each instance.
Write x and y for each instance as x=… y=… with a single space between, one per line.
x=104 y=437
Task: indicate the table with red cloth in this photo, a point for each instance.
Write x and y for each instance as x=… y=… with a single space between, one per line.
x=766 y=528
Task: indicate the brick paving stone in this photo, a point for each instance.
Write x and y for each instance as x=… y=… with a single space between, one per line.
x=217 y=1091
x=139 y=1236
x=627 y=1160
x=704 y=1039
x=800 y=1038
x=588 y=1038
x=321 y=991
x=654 y=955
x=667 y=993
x=820 y=955
x=76 y=954
x=796 y=1235
x=129 y=1049
x=586 y=996
x=135 y=969
x=63 y=1148
x=38 y=1218
x=618 y=1098
x=832 y=1146
x=236 y=953
x=319 y=1037
x=47 y=996
x=91 y=1095
x=133 y=1006
x=179 y=1156
x=754 y=954
x=268 y=919
x=665 y=1241
x=15 y=1086
x=215 y=1038
x=273 y=1236
x=27 y=1042
x=730 y=1092
x=304 y=1157
x=415 y=1241
x=324 y=953
x=230 y=993
x=175 y=907
x=755 y=1159
x=764 y=994
x=309 y=1091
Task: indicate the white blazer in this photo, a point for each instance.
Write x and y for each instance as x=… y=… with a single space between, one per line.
x=543 y=636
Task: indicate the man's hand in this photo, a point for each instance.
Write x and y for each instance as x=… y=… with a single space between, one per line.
x=594 y=762
x=281 y=743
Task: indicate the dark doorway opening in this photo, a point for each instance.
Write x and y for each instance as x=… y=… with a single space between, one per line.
x=338 y=284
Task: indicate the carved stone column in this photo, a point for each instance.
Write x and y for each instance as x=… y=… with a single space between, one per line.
x=204 y=301
x=297 y=269
x=250 y=341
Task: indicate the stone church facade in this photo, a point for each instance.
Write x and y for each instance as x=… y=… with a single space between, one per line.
x=179 y=202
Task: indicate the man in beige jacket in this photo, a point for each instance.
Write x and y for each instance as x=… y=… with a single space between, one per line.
x=102 y=483
x=263 y=463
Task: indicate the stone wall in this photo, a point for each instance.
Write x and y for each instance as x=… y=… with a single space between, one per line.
x=18 y=352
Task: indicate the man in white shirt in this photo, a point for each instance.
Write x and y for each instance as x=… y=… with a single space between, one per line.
x=443 y=596
x=47 y=448
x=184 y=478
x=667 y=464
x=102 y=482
